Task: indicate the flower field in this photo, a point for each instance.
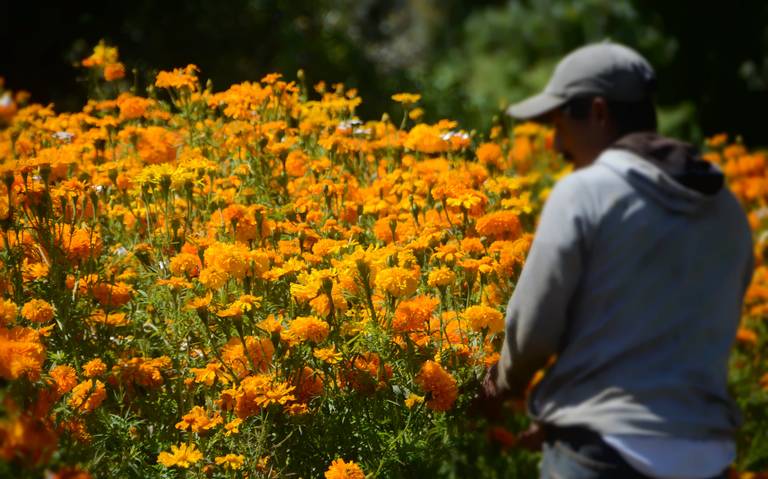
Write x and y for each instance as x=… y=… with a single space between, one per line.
x=254 y=283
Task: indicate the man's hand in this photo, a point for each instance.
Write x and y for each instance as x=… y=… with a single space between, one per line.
x=489 y=401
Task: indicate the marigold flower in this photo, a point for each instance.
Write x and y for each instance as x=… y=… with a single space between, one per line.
x=406 y=98
x=65 y=378
x=307 y=328
x=439 y=384
x=233 y=426
x=414 y=314
x=186 y=264
x=178 y=78
x=344 y=470
x=259 y=354
x=482 y=317
x=441 y=277
x=37 y=311
x=412 y=400
x=21 y=353
x=231 y=461
x=499 y=225
x=87 y=395
x=114 y=71
x=180 y=456
x=146 y=372
x=398 y=281
x=328 y=355
x=490 y=154
x=94 y=367
x=8 y=312
x=197 y=420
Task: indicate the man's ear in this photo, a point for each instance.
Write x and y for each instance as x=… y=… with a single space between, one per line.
x=600 y=111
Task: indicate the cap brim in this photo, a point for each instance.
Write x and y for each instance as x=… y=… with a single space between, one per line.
x=535 y=106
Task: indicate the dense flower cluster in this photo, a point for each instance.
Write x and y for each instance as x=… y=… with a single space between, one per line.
x=207 y=283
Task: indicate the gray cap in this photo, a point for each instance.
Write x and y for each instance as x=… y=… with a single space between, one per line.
x=604 y=69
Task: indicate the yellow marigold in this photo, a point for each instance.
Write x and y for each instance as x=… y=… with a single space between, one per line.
x=412 y=400
x=231 y=461
x=499 y=225
x=328 y=355
x=102 y=54
x=233 y=426
x=210 y=373
x=94 y=367
x=230 y=258
x=442 y=276
x=307 y=328
x=182 y=456
x=481 y=317
x=406 y=98
x=21 y=353
x=37 y=311
x=178 y=78
x=8 y=312
x=344 y=470
x=439 y=384
x=87 y=395
x=398 y=281
x=213 y=278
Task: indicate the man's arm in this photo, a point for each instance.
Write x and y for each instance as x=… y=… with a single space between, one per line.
x=536 y=313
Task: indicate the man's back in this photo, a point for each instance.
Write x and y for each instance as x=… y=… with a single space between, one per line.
x=649 y=324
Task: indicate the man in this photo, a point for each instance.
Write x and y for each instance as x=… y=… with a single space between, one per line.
x=634 y=283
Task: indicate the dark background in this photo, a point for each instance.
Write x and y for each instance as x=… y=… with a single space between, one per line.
x=469 y=59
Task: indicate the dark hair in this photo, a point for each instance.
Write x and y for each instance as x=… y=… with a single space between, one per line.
x=629 y=116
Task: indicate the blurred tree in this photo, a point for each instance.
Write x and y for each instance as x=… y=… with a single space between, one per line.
x=468 y=58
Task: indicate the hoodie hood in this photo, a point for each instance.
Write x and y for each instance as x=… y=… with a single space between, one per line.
x=669 y=171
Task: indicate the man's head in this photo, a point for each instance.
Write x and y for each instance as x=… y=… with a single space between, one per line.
x=597 y=94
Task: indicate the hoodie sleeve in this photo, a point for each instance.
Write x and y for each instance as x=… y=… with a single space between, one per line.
x=537 y=312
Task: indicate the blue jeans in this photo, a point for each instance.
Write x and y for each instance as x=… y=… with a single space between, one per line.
x=582 y=454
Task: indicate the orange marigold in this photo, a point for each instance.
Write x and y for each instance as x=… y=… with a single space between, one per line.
x=94 y=367
x=259 y=354
x=37 y=311
x=499 y=225
x=344 y=470
x=88 y=395
x=8 y=312
x=414 y=314
x=439 y=385
x=178 y=78
x=65 y=378
x=21 y=353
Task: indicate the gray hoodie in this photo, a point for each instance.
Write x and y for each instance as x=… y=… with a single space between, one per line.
x=635 y=281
